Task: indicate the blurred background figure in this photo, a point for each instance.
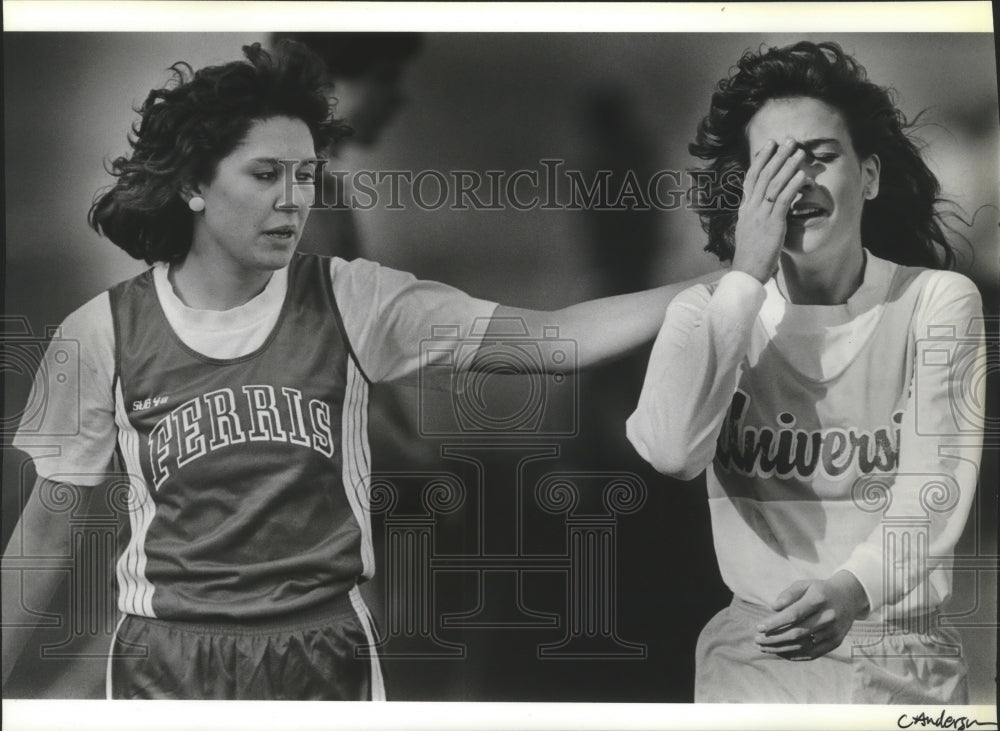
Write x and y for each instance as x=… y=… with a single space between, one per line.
x=366 y=70
x=624 y=237
x=623 y=241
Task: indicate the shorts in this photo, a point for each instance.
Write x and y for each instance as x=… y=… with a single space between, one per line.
x=876 y=663
x=310 y=656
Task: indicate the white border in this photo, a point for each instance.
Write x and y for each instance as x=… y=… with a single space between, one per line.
x=308 y=715
x=189 y=15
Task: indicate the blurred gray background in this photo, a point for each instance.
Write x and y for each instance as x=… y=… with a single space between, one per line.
x=505 y=102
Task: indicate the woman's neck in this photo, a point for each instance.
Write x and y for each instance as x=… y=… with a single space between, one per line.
x=204 y=283
x=810 y=281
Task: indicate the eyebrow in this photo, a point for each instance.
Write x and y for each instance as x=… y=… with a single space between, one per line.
x=812 y=144
x=277 y=161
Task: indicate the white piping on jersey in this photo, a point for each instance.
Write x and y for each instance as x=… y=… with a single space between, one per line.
x=358 y=602
x=111 y=654
x=356 y=469
x=136 y=591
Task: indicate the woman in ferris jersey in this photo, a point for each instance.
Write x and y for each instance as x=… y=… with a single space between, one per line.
x=228 y=386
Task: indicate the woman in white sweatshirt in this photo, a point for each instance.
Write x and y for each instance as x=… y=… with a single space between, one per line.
x=824 y=383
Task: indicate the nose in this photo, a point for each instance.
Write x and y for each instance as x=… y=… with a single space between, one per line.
x=294 y=196
x=811 y=167
x=810 y=182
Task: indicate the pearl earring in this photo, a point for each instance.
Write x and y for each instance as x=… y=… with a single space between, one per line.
x=196 y=203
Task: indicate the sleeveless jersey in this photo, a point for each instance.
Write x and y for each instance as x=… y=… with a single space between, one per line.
x=248 y=476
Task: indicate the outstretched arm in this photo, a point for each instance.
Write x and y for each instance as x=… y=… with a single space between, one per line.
x=602 y=329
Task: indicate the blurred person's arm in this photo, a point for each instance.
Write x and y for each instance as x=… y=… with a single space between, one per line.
x=70 y=435
x=41 y=532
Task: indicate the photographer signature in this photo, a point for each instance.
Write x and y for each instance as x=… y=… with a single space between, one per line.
x=959 y=723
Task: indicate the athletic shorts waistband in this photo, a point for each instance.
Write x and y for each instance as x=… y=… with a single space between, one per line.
x=334 y=609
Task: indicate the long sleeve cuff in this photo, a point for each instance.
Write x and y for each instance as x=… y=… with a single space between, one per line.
x=739 y=292
x=867 y=566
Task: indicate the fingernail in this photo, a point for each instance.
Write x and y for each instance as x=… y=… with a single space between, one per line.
x=760 y=628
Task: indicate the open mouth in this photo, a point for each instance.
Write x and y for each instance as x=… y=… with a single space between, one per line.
x=801 y=214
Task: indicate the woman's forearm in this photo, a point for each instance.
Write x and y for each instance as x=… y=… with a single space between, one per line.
x=600 y=330
x=40 y=532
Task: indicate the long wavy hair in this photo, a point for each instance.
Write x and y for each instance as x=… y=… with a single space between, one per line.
x=188 y=126
x=901 y=224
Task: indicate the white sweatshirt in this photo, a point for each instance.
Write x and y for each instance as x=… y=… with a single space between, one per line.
x=835 y=437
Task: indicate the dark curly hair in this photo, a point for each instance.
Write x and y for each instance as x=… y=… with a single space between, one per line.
x=188 y=126
x=901 y=224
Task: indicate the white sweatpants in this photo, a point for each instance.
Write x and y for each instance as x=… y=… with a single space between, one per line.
x=876 y=663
